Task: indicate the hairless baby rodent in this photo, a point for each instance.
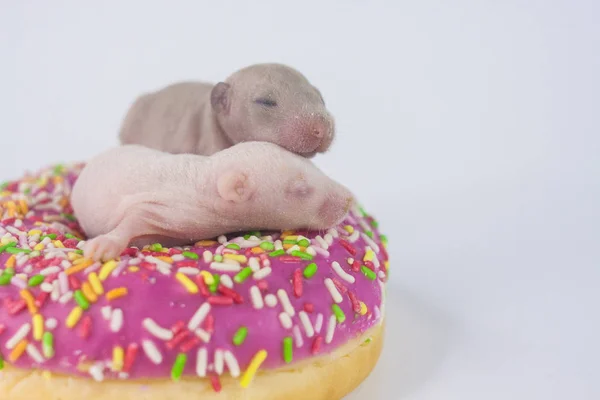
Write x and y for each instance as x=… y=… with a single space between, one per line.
x=134 y=195
x=262 y=102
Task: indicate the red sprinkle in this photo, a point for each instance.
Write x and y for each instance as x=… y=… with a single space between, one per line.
x=148 y=265
x=41 y=299
x=86 y=327
x=202 y=285
x=348 y=247
x=216 y=384
x=370 y=265
x=51 y=278
x=174 y=251
x=180 y=337
x=178 y=327
x=74 y=282
x=185 y=263
x=297 y=282
x=290 y=259
x=130 y=355
x=262 y=285
x=383 y=252
x=220 y=300
x=131 y=252
x=190 y=344
x=356 y=266
x=237 y=298
x=16 y=307
x=354 y=301
x=339 y=285
x=309 y=307
x=209 y=323
x=316 y=344
x=2 y=328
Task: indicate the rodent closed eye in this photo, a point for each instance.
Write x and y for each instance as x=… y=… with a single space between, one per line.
x=266 y=102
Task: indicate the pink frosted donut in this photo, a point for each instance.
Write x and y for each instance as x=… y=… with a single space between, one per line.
x=259 y=316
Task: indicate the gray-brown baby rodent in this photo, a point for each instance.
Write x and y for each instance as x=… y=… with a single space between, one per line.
x=263 y=102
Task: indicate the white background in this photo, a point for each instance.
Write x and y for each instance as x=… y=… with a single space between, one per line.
x=471 y=129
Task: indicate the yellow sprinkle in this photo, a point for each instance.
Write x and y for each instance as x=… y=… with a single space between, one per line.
x=74 y=256
x=39 y=247
x=74 y=317
x=291 y=237
x=10 y=263
x=96 y=283
x=58 y=244
x=6 y=193
x=28 y=297
x=34 y=232
x=187 y=282
x=369 y=255
x=88 y=292
x=38 y=327
x=78 y=266
x=257 y=360
x=387 y=265
x=58 y=179
x=363 y=308
x=166 y=259
x=206 y=243
x=47 y=375
x=18 y=351
x=11 y=205
x=6 y=240
x=286 y=234
x=106 y=269
x=116 y=293
x=256 y=250
x=118 y=356
x=24 y=207
x=349 y=228
x=208 y=278
x=237 y=257
x=133 y=268
x=11 y=213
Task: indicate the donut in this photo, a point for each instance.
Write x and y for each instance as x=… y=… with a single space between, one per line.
x=256 y=315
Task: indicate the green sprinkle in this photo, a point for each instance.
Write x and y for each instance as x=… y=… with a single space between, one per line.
x=277 y=253
x=58 y=170
x=5 y=279
x=36 y=280
x=7 y=246
x=233 y=246
x=189 y=254
x=369 y=234
x=289 y=241
x=368 y=340
x=304 y=243
x=10 y=271
x=242 y=275
x=15 y=250
x=48 y=344
x=247 y=236
x=1 y=362
x=363 y=212
x=218 y=258
x=303 y=255
x=69 y=236
x=27 y=191
x=4 y=185
x=51 y=236
x=339 y=314
x=368 y=273
x=78 y=252
x=383 y=238
x=70 y=217
x=267 y=246
x=310 y=270
x=215 y=285
x=255 y=233
x=240 y=336
x=288 y=349
x=178 y=366
x=375 y=224
x=81 y=300
x=156 y=247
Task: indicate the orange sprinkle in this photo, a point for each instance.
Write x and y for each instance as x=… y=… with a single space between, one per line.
x=63 y=202
x=88 y=292
x=79 y=265
x=10 y=263
x=166 y=259
x=29 y=300
x=116 y=293
x=24 y=206
x=18 y=351
x=206 y=243
x=256 y=250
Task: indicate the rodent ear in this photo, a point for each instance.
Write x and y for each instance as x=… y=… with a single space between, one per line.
x=219 y=97
x=234 y=186
x=300 y=189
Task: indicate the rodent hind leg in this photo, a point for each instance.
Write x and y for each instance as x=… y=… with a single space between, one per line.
x=110 y=245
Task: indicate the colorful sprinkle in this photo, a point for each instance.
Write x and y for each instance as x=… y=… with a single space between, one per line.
x=255 y=364
x=240 y=336
x=288 y=349
x=178 y=366
x=310 y=270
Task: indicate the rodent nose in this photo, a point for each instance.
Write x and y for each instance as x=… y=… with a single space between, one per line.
x=317 y=132
x=319 y=128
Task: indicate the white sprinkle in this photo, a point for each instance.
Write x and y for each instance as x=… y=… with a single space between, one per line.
x=92 y=268
x=152 y=351
x=18 y=223
x=203 y=335
x=270 y=300
x=156 y=330
x=207 y=256
x=116 y=320
x=253 y=264
x=201 y=359
x=159 y=263
x=79 y=245
x=177 y=257
x=297 y=336
x=50 y=271
x=328 y=239
x=333 y=232
x=278 y=245
x=343 y=274
x=226 y=281
x=246 y=244
x=376 y=263
x=370 y=242
x=55 y=295
x=46 y=287
x=106 y=312
x=354 y=237
x=335 y=294
x=322 y=242
x=311 y=250
x=330 y=329
x=63 y=282
x=189 y=271
x=65 y=298
x=34 y=353
x=321 y=251
x=232 y=364
x=21 y=334
x=199 y=316
x=222 y=239
x=22 y=260
x=286 y=320
x=225 y=267
x=51 y=324
x=15 y=231
x=262 y=273
x=220 y=249
x=350 y=260
x=364 y=225
x=381 y=274
x=219 y=361
x=319 y=323
x=229 y=260
x=96 y=372
x=65 y=264
x=376 y=312
x=122 y=266
x=135 y=261
x=285 y=302
x=293 y=248
x=123 y=375
x=308 y=328
x=255 y=296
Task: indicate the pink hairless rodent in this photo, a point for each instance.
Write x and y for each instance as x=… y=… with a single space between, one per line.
x=136 y=195
x=263 y=102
